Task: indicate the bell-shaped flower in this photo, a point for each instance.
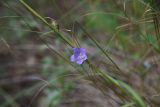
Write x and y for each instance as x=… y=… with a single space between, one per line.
x=79 y=55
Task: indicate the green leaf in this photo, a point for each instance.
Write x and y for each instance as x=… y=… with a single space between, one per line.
x=138 y=100
x=120 y=84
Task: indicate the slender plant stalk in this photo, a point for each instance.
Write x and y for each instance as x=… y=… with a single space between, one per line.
x=135 y=97
x=45 y=22
x=99 y=46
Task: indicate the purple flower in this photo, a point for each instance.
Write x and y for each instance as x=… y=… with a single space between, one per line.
x=79 y=55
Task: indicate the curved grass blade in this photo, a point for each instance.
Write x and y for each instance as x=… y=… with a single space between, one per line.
x=138 y=100
x=120 y=84
x=45 y=22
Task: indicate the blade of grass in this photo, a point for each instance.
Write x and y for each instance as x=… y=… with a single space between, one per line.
x=122 y=85
x=138 y=101
x=8 y=98
x=128 y=105
x=45 y=22
x=99 y=46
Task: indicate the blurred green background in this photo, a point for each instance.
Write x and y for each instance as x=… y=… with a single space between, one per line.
x=32 y=75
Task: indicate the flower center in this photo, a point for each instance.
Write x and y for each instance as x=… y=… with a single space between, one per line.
x=81 y=57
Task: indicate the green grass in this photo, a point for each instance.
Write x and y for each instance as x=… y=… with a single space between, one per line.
x=131 y=27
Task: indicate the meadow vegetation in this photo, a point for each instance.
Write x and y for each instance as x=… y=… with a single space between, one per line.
x=79 y=53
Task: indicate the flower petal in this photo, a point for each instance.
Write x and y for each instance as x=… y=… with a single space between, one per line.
x=83 y=50
x=85 y=57
x=72 y=58
x=79 y=62
x=76 y=52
